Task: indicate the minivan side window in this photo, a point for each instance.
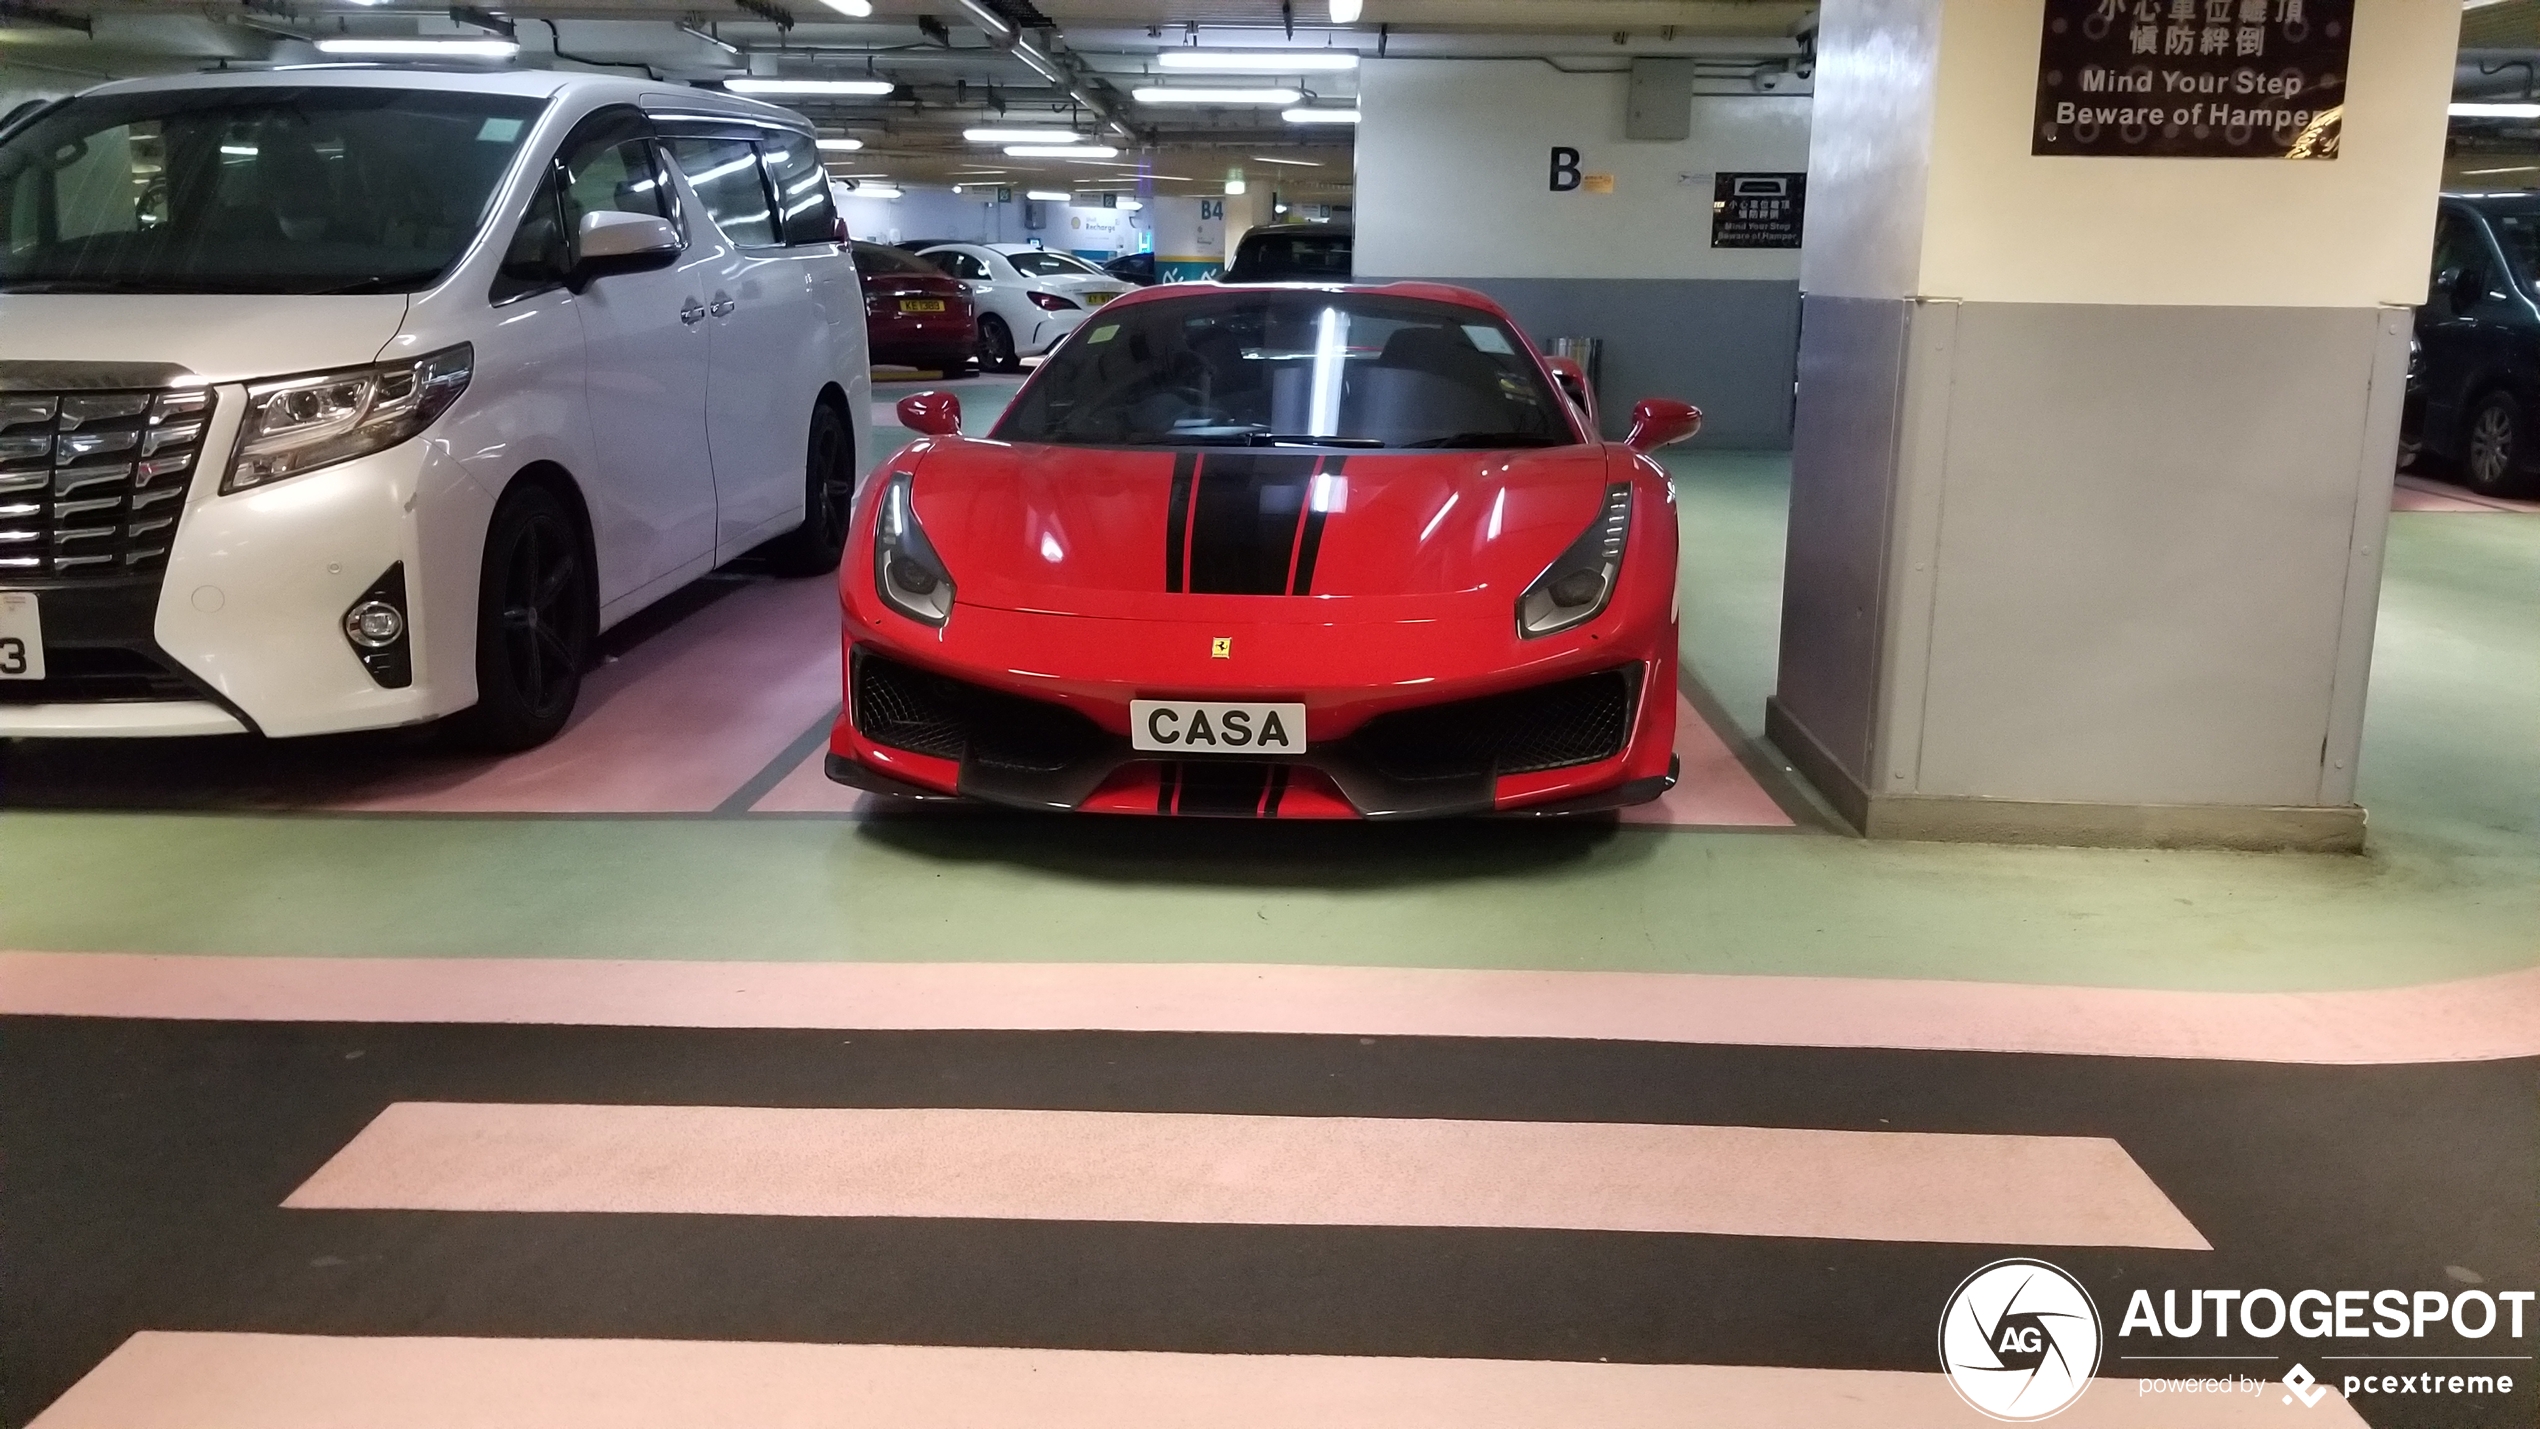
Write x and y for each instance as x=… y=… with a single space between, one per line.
x=725 y=174
x=804 y=213
x=538 y=257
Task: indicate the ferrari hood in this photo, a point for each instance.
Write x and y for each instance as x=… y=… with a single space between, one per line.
x=1105 y=530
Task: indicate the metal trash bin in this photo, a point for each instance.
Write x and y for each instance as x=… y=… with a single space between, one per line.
x=1588 y=352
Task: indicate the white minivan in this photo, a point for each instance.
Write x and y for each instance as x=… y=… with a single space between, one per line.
x=335 y=399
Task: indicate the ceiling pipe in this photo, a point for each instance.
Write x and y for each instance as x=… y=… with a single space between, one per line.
x=1009 y=37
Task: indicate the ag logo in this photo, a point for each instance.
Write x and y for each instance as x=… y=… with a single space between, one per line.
x=2019 y=1340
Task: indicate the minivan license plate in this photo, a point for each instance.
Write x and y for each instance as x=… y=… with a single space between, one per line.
x=1205 y=727
x=21 y=636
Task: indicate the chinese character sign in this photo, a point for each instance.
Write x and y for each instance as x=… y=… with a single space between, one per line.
x=2193 y=79
x=1757 y=210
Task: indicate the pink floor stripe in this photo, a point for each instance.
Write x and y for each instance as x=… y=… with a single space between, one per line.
x=165 y=1380
x=2417 y=493
x=1204 y=1169
x=683 y=720
x=1712 y=791
x=2481 y=1019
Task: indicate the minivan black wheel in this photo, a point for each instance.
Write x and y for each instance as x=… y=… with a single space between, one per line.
x=996 y=346
x=2495 y=455
x=813 y=548
x=536 y=616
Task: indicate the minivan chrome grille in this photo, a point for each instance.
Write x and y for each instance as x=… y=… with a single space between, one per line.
x=92 y=483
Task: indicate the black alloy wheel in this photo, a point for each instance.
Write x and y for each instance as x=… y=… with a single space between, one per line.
x=996 y=346
x=813 y=548
x=2494 y=459
x=536 y=617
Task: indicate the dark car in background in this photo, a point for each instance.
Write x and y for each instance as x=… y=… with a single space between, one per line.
x=915 y=315
x=2473 y=407
x=1292 y=253
x=1138 y=268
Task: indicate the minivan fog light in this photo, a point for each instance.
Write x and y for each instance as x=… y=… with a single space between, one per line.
x=374 y=624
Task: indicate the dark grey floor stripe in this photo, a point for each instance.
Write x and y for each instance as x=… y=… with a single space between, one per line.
x=804 y=745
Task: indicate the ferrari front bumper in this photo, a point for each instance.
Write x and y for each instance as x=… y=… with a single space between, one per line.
x=1573 y=742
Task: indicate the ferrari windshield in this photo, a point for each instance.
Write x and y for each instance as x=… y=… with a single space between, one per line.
x=263 y=189
x=1302 y=368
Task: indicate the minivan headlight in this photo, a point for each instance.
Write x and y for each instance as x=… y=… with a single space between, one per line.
x=907 y=573
x=298 y=424
x=1576 y=587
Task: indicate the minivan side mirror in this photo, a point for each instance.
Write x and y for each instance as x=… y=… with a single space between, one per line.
x=2462 y=287
x=932 y=414
x=1662 y=422
x=615 y=242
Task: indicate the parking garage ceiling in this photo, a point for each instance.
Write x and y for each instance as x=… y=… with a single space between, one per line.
x=955 y=65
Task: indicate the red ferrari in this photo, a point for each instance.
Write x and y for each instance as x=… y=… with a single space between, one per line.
x=1271 y=552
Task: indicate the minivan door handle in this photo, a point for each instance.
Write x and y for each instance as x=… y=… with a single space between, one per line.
x=721 y=305
x=692 y=312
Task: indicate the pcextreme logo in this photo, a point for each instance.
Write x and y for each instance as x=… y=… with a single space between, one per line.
x=2019 y=1340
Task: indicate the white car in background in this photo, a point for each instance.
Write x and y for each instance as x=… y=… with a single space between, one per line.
x=339 y=399
x=1028 y=297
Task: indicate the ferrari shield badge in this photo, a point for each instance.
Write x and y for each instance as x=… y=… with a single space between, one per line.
x=1222 y=648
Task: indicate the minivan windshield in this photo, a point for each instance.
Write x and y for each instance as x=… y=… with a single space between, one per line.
x=2518 y=230
x=1292 y=368
x=269 y=189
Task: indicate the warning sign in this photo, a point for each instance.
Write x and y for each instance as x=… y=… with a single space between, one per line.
x=2193 y=79
x=1757 y=210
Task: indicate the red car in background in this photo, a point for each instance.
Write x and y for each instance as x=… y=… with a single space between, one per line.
x=915 y=315
x=1293 y=552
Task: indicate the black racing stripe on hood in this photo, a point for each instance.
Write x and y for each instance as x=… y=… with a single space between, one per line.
x=1244 y=512
x=1310 y=541
x=1177 y=519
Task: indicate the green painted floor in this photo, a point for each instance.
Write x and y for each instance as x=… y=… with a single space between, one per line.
x=2451 y=887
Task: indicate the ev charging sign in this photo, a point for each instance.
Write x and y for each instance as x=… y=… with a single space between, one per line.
x=2020 y=1340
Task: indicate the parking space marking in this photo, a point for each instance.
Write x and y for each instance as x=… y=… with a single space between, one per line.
x=164 y=1380
x=1209 y=1169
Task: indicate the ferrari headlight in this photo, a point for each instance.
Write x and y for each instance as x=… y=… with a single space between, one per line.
x=907 y=573
x=1576 y=587
x=298 y=424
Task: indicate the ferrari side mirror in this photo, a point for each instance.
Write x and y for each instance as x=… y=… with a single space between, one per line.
x=933 y=414
x=1662 y=422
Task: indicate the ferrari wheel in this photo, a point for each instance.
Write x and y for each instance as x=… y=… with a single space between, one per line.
x=813 y=548
x=996 y=346
x=535 y=620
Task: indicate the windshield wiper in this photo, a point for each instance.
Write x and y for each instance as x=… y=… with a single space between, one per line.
x=1492 y=439
x=1308 y=439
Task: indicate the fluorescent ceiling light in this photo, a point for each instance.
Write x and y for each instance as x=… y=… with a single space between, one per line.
x=421 y=49
x=1216 y=96
x=1061 y=151
x=1291 y=163
x=2517 y=169
x=1319 y=116
x=872 y=87
x=839 y=144
x=1051 y=134
x=1257 y=61
x=1128 y=205
x=857 y=9
x=1047 y=195
x=1345 y=12
x=876 y=191
x=2496 y=111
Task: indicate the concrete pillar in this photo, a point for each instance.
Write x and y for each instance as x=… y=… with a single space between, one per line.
x=2092 y=455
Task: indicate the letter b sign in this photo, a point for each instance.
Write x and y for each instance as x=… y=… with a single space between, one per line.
x=1565 y=169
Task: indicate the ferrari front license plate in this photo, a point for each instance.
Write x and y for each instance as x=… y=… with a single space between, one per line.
x=22 y=637
x=921 y=305
x=1201 y=727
